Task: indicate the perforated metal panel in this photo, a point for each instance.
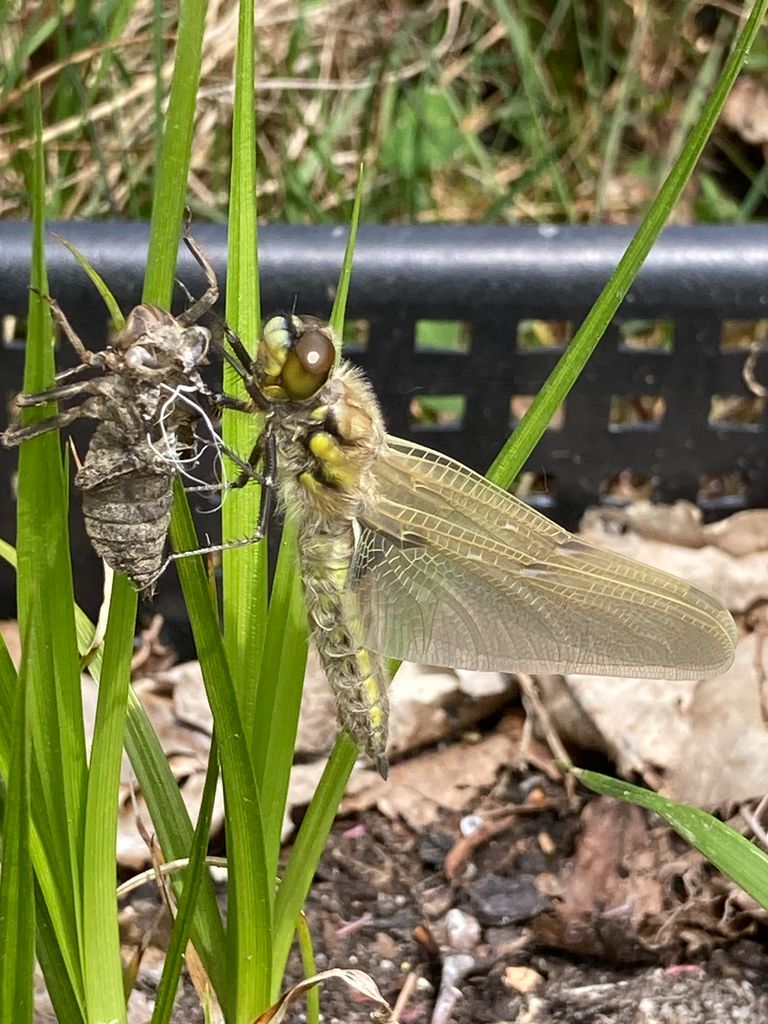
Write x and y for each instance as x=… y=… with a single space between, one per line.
x=663 y=396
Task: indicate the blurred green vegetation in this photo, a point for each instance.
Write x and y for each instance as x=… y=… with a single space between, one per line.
x=537 y=110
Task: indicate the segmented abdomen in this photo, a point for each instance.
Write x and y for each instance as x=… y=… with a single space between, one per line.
x=357 y=677
x=127 y=497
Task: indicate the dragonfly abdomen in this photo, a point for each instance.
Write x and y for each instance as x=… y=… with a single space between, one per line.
x=127 y=498
x=357 y=677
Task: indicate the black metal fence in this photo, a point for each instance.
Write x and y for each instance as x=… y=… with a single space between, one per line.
x=458 y=327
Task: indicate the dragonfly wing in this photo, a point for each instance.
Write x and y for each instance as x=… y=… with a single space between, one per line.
x=450 y=569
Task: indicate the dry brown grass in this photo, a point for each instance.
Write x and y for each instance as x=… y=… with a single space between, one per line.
x=435 y=96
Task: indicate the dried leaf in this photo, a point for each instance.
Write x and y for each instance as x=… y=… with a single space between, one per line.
x=418 y=789
x=358 y=981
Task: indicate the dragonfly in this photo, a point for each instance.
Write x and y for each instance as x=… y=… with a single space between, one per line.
x=407 y=554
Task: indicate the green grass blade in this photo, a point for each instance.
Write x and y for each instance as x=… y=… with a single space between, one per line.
x=251 y=882
x=49 y=955
x=279 y=698
x=251 y=889
x=173 y=158
x=629 y=83
x=309 y=967
x=534 y=86
x=192 y=880
x=169 y=815
x=308 y=848
x=17 y=902
x=244 y=590
x=54 y=919
x=339 y=311
x=697 y=94
x=158 y=785
x=115 y=313
x=55 y=712
x=512 y=457
x=101 y=940
x=729 y=851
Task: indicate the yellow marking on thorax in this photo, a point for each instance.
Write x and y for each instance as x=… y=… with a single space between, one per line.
x=336 y=466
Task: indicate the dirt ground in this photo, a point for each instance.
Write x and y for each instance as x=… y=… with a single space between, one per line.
x=536 y=909
x=381 y=902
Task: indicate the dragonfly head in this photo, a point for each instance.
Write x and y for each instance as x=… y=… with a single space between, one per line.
x=296 y=357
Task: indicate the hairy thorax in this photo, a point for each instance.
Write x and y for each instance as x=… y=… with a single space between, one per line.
x=328 y=447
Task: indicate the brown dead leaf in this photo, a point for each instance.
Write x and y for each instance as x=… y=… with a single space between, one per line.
x=746 y=110
x=743 y=533
x=706 y=560
x=612 y=899
x=357 y=981
x=10 y=632
x=635 y=891
x=418 y=789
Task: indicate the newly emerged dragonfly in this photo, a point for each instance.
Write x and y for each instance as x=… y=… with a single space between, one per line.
x=405 y=553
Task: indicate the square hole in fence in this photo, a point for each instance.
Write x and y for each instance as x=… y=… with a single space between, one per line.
x=624 y=487
x=13 y=330
x=356 y=335
x=537 y=489
x=438 y=412
x=737 y=412
x=744 y=334
x=442 y=336
x=723 y=490
x=636 y=412
x=646 y=335
x=519 y=406
x=538 y=335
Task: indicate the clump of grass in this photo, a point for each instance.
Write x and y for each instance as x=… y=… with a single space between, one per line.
x=462 y=111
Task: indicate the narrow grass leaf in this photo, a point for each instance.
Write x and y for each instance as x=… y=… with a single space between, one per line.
x=55 y=712
x=244 y=588
x=115 y=313
x=17 y=901
x=308 y=848
x=249 y=928
x=309 y=967
x=339 y=311
x=53 y=918
x=244 y=606
x=63 y=998
x=192 y=881
x=101 y=940
x=518 y=448
x=278 y=701
x=534 y=83
x=727 y=849
x=173 y=158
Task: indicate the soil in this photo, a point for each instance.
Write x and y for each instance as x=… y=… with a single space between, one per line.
x=380 y=896
x=551 y=920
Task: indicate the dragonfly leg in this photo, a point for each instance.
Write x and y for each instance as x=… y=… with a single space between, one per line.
x=85 y=356
x=267 y=447
x=200 y=306
x=92 y=407
x=59 y=393
x=247 y=468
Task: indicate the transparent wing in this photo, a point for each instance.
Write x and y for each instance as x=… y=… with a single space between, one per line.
x=450 y=569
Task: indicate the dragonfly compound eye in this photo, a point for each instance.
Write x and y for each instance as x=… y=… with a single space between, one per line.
x=308 y=364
